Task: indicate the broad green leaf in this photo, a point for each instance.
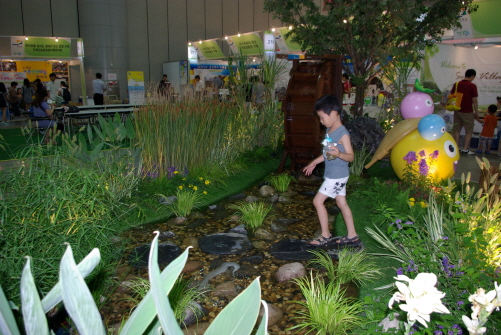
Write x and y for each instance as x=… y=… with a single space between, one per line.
x=34 y=318
x=95 y=152
x=154 y=328
x=99 y=133
x=81 y=142
x=77 y=298
x=164 y=310
x=85 y=267
x=89 y=134
x=262 y=330
x=146 y=311
x=8 y=324
x=239 y=316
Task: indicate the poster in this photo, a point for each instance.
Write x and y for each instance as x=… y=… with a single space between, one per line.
x=36 y=69
x=40 y=47
x=285 y=45
x=446 y=64
x=246 y=44
x=208 y=49
x=135 y=85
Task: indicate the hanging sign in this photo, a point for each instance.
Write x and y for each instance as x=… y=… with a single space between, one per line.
x=466 y=30
x=40 y=47
x=285 y=44
x=246 y=44
x=208 y=49
x=269 y=41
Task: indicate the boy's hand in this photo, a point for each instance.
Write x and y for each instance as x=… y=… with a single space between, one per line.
x=309 y=169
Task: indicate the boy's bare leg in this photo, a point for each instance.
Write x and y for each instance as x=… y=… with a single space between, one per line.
x=347 y=215
x=318 y=202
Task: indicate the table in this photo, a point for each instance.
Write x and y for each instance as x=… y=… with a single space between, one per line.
x=92 y=114
x=99 y=107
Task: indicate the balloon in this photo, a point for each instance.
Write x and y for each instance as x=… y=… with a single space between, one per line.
x=431 y=127
x=416 y=104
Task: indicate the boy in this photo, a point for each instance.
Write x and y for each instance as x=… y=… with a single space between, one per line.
x=490 y=124
x=329 y=110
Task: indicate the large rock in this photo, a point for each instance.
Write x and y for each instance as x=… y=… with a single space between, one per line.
x=190 y=241
x=227 y=289
x=266 y=190
x=191 y=266
x=238 y=230
x=225 y=244
x=263 y=234
x=290 y=271
x=167 y=252
x=251 y=198
x=275 y=314
x=191 y=317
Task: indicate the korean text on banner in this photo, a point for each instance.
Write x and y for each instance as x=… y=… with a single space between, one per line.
x=40 y=47
x=208 y=49
x=246 y=44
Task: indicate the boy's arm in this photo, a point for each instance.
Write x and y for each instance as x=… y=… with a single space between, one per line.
x=310 y=167
x=348 y=155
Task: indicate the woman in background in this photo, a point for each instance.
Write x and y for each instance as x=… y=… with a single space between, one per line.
x=3 y=103
x=27 y=92
x=41 y=109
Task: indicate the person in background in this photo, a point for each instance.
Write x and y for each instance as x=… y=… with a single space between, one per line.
x=198 y=86
x=14 y=97
x=41 y=109
x=37 y=83
x=346 y=84
x=162 y=88
x=498 y=105
x=166 y=81
x=466 y=116
x=218 y=83
x=99 y=89
x=3 y=104
x=27 y=93
x=52 y=88
x=64 y=92
x=490 y=123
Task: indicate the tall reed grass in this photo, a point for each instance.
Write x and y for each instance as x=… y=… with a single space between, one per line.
x=193 y=133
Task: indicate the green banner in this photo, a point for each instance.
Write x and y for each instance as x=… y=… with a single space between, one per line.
x=249 y=44
x=47 y=47
x=208 y=49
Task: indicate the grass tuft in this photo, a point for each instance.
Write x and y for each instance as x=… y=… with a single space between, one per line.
x=253 y=214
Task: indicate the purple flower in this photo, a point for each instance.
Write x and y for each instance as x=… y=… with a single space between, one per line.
x=409 y=222
x=450 y=332
x=440 y=327
x=460 y=303
x=399 y=226
x=438 y=332
x=397 y=221
x=410 y=157
x=434 y=154
x=412 y=266
x=445 y=238
x=400 y=271
x=422 y=153
x=423 y=167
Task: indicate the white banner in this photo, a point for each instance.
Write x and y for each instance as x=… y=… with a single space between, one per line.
x=449 y=64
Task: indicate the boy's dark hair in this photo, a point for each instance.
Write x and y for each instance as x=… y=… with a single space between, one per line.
x=197 y=77
x=469 y=73
x=327 y=104
x=52 y=75
x=37 y=81
x=492 y=109
x=13 y=84
x=99 y=75
x=345 y=75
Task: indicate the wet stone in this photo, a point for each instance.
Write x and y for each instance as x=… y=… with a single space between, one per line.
x=193 y=313
x=308 y=193
x=197 y=223
x=273 y=199
x=277 y=227
x=225 y=244
x=291 y=249
x=333 y=210
x=166 y=235
x=263 y=234
x=246 y=271
x=266 y=191
x=167 y=252
x=238 y=196
x=251 y=198
x=238 y=230
x=287 y=222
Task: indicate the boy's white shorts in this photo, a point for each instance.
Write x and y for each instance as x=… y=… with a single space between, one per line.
x=334 y=187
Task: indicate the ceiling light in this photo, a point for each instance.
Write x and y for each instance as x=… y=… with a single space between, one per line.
x=57 y=39
x=226 y=37
x=272 y=29
x=200 y=42
x=239 y=35
x=26 y=38
x=189 y=43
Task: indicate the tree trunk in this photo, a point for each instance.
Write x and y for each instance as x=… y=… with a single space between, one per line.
x=358 y=108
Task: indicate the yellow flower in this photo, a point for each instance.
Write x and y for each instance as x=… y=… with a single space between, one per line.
x=412 y=199
x=176 y=172
x=195 y=188
x=184 y=179
x=190 y=185
x=180 y=187
x=411 y=203
x=207 y=182
x=205 y=192
x=200 y=178
x=423 y=204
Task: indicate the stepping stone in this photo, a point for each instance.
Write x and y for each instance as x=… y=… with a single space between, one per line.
x=309 y=193
x=225 y=244
x=167 y=252
x=197 y=223
x=298 y=250
x=333 y=210
x=238 y=196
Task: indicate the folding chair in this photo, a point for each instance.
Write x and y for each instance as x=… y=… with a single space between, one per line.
x=32 y=127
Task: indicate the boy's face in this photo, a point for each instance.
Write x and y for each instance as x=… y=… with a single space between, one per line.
x=327 y=119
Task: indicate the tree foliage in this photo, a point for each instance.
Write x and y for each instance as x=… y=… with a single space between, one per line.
x=370 y=32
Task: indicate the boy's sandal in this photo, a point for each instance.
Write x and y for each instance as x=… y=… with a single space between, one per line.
x=346 y=240
x=321 y=240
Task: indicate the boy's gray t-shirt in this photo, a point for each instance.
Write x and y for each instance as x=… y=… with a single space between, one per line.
x=337 y=168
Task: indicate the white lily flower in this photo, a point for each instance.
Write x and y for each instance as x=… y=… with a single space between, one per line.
x=415 y=312
x=397 y=296
x=482 y=298
x=472 y=326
